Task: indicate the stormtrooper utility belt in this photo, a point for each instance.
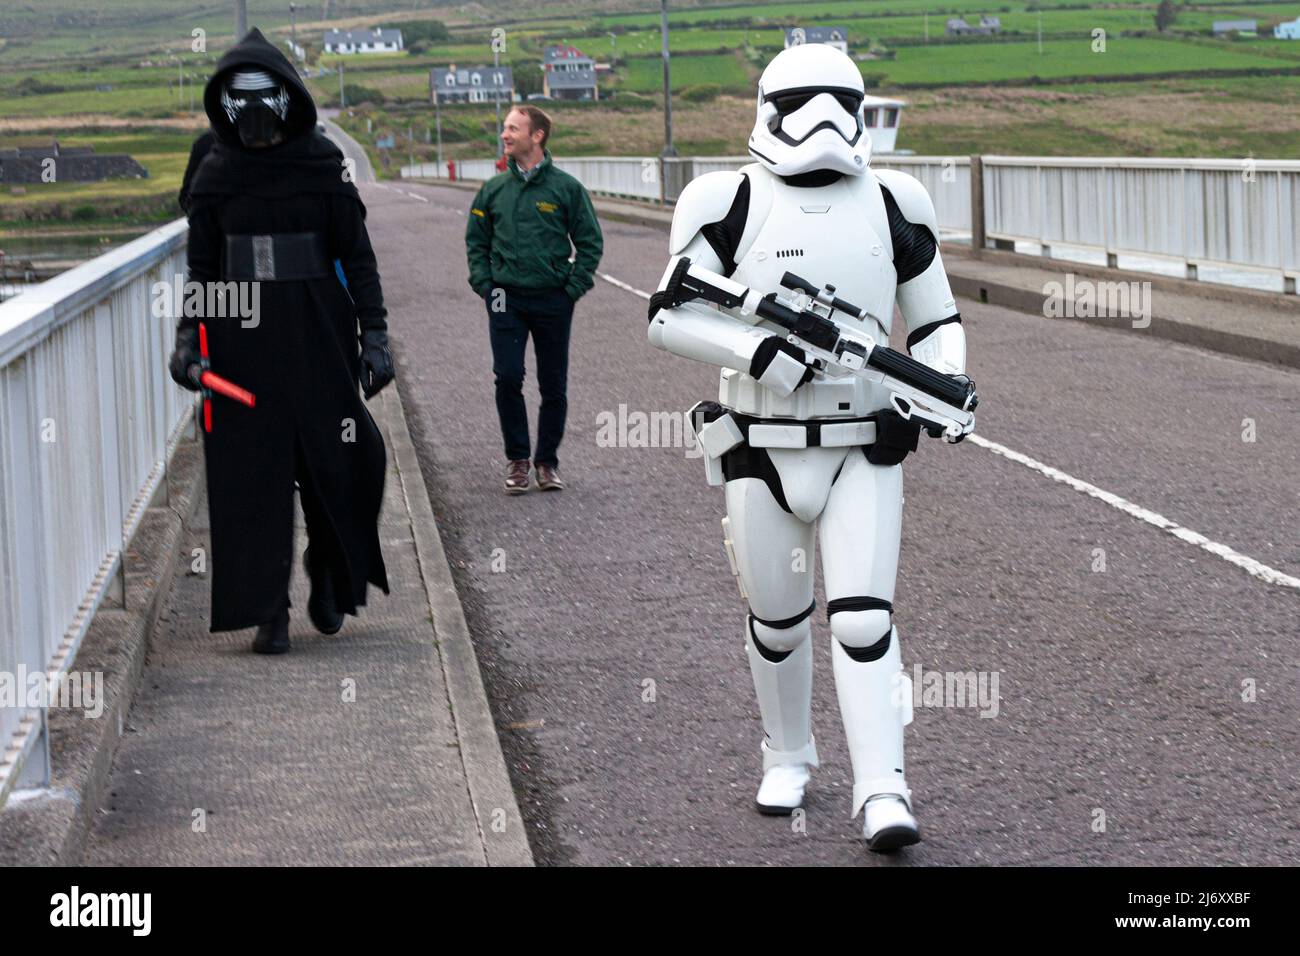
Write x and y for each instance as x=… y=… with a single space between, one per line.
x=279 y=257
x=885 y=435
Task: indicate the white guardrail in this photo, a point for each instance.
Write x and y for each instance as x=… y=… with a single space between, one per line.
x=1240 y=214
x=1237 y=213
x=638 y=177
x=88 y=419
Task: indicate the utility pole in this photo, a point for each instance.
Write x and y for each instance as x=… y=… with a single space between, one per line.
x=180 y=81
x=927 y=29
x=293 y=30
x=669 y=151
x=343 y=100
x=437 y=121
x=1040 y=32
x=410 y=147
x=496 y=93
x=241 y=19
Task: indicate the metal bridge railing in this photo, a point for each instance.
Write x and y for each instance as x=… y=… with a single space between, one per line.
x=1222 y=212
x=88 y=418
x=639 y=177
x=1239 y=214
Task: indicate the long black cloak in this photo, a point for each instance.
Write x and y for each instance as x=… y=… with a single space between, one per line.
x=301 y=359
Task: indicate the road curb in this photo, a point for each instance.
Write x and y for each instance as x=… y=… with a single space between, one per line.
x=49 y=827
x=500 y=824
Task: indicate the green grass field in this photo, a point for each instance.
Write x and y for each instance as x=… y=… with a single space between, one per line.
x=999 y=62
x=726 y=70
x=971 y=96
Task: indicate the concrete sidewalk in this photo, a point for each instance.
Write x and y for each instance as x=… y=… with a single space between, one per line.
x=374 y=746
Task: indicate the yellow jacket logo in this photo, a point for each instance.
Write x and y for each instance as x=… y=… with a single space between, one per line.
x=547 y=206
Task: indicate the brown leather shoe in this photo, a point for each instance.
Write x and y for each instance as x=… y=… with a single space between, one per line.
x=548 y=478
x=517 y=476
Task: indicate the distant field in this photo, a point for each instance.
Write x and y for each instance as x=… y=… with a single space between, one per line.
x=726 y=70
x=983 y=63
x=817 y=11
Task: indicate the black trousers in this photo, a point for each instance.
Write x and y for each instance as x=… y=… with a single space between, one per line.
x=546 y=315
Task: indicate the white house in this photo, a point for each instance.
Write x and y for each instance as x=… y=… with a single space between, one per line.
x=1224 y=27
x=363 y=41
x=1288 y=31
x=837 y=37
x=881 y=120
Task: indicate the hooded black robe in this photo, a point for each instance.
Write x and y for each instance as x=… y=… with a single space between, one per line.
x=301 y=360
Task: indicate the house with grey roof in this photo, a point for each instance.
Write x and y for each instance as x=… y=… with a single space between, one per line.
x=363 y=41
x=568 y=74
x=837 y=37
x=471 y=84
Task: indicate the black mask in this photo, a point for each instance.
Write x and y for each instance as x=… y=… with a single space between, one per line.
x=257 y=106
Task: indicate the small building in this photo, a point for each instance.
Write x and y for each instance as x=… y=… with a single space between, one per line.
x=52 y=162
x=363 y=41
x=1224 y=27
x=958 y=27
x=1288 y=31
x=881 y=117
x=569 y=74
x=471 y=84
x=837 y=37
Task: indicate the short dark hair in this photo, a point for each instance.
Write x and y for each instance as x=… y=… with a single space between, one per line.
x=537 y=119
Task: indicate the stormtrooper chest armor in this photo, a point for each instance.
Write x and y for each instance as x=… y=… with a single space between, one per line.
x=837 y=234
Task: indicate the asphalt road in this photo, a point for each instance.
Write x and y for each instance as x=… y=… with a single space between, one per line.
x=610 y=630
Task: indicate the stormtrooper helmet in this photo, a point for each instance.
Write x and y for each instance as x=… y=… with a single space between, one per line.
x=810 y=115
x=257 y=105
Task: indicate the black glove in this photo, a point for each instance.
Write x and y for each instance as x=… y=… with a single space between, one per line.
x=895 y=437
x=767 y=351
x=376 y=362
x=184 y=363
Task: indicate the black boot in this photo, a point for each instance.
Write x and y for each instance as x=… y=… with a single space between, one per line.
x=273 y=635
x=321 y=608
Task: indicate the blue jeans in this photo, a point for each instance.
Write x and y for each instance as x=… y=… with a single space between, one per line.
x=547 y=315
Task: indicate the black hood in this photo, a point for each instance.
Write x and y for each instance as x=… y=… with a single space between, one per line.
x=257 y=52
x=307 y=162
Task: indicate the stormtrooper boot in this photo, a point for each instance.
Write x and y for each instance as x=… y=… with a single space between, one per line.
x=887 y=823
x=783 y=683
x=875 y=703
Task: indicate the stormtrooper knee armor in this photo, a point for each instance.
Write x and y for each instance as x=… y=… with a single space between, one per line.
x=803 y=448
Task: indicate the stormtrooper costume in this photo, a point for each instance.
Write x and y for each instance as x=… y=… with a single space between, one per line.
x=819 y=448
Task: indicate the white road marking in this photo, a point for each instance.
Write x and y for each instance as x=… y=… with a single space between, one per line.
x=417 y=196
x=1246 y=563
x=623 y=285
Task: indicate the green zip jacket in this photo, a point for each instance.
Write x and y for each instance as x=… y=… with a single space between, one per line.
x=519 y=231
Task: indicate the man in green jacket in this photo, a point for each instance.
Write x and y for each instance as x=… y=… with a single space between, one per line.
x=518 y=241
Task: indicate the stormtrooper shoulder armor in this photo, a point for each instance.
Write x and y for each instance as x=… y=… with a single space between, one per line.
x=706 y=200
x=911 y=198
